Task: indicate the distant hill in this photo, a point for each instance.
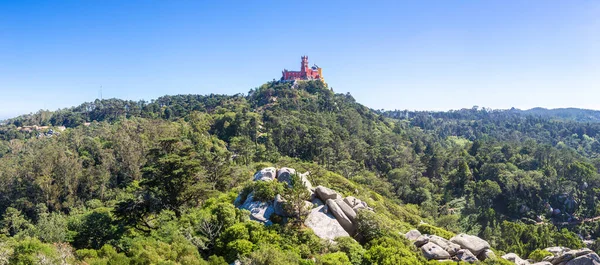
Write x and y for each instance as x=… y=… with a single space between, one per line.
x=573 y=114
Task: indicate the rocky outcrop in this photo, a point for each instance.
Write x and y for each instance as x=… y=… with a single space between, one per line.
x=475 y=244
x=327 y=219
x=433 y=251
x=323 y=223
x=455 y=251
x=561 y=256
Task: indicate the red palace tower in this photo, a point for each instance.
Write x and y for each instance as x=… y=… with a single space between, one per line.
x=305 y=73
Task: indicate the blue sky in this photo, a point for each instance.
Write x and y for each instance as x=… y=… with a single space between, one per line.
x=424 y=55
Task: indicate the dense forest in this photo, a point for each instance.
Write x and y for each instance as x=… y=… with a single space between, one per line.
x=126 y=182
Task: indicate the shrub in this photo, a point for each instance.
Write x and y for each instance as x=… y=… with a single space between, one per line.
x=352 y=248
x=432 y=230
x=370 y=225
x=266 y=190
x=539 y=254
x=337 y=258
x=238 y=248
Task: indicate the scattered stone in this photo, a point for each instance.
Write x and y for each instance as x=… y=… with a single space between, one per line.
x=412 y=235
x=466 y=255
x=266 y=174
x=516 y=259
x=475 y=244
x=325 y=193
x=325 y=225
x=433 y=251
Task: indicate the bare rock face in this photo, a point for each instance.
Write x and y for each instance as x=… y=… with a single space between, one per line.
x=542 y=263
x=516 y=259
x=325 y=194
x=348 y=211
x=466 y=255
x=566 y=255
x=350 y=200
x=341 y=217
x=475 y=244
x=259 y=211
x=285 y=175
x=433 y=251
x=587 y=259
x=323 y=223
x=278 y=206
x=266 y=174
x=557 y=251
x=305 y=181
x=412 y=235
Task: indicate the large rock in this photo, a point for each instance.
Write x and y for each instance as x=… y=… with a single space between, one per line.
x=587 y=259
x=542 y=263
x=266 y=174
x=515 y=259
x=341 y=216
x=422 y=240
x=325 y=194
x=433 y=251
x=352 y=201
x=305 y=181
x=412 y=235
x=557 y=251
x=568 y=255
x=475 y=244
x=486 y=254
x=348 y=211
x=259 y=211
x=279 y=206
x=323 y=223
x=466 y=255
x=285 y=175
x=445 y=244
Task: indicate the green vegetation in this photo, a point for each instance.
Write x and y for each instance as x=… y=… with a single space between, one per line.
x=154 y=182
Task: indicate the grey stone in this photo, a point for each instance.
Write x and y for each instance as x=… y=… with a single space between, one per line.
x=279 y=207
x=284 y=174
x=259 y=211
x=350 y=200
x=341 y=217
x=422 y=240
x=557 y=251
x=412 y=235
x=325 y=225
x=516 y=259
x=266 y=174
x=542 y=263
x=325 y=194
x=348 y=211
x=486 y=254
x=587 y=259
x=475 y=244
x=433 y=251
x=305 y=181
x=465 y=255
x=445 y=244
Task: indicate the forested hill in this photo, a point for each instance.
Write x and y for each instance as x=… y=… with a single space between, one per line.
x=522 y=182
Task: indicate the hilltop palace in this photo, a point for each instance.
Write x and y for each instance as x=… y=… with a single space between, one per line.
x=305 y=73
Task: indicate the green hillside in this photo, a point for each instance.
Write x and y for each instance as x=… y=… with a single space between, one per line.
x=125 y=182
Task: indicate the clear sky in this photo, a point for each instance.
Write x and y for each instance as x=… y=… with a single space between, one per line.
x=423 y=55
